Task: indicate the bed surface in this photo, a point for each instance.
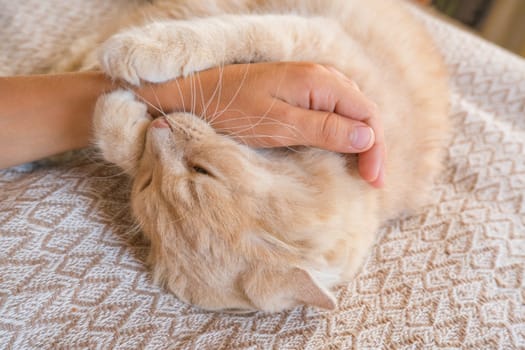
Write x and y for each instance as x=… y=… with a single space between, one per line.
x=450 y=276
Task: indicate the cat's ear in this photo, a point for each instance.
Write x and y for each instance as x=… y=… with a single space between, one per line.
x=274 y=289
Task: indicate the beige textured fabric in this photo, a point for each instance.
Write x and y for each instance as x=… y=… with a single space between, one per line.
x=34 y=33
x=451 y=276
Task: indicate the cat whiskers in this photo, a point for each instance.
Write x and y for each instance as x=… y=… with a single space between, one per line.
x=95 y=155
x=270 y=107
x=232 y=99
x=135 y=229
x=155 y=107
x=202 y=102
x=216 y=92
x=243 y=131
x=259 y=137
x=212 y=120
x=159 y=109
x=218 y=86
x=193 y=95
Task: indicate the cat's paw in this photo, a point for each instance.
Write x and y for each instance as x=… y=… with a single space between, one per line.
x=155 y=53
x=119 y=111
x=120 y=123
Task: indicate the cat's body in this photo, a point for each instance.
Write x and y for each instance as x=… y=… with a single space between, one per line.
x=276 y=228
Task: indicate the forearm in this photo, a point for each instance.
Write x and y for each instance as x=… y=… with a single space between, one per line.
x=43 y=115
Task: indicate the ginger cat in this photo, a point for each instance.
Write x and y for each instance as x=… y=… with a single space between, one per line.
x=238 y=229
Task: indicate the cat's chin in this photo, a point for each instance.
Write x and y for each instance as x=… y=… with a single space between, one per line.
x=159 y=143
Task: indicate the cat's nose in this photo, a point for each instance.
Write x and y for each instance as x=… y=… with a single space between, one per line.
x=160 y=123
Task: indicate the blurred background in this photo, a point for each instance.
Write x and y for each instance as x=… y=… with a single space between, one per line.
x=500 y=21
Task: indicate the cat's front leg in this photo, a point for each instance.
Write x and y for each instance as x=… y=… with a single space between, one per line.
x=120 y=123
x=163 y=51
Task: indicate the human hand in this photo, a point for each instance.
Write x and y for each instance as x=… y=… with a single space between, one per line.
x=282 y=104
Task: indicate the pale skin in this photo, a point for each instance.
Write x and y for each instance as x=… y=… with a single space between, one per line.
x=261 y=105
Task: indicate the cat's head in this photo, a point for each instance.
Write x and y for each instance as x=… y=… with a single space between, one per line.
x=219 y=218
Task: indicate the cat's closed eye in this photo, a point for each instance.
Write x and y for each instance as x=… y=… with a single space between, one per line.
x=201 y=170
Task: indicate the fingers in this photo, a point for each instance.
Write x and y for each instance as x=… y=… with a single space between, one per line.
x=371 y=165
x=294 y=126
x=371 y=162
x=297 y=126
x=348 y=101
x=327 y=90
x=329 y=131
x=332 y=91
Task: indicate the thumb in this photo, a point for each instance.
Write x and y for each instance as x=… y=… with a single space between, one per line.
x=333 y=132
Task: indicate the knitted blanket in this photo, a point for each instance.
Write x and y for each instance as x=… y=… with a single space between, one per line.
x=450 y=276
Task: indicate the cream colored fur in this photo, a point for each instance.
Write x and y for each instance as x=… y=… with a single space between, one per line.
x=241 y=229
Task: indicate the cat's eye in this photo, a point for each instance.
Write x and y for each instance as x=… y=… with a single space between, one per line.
x=200 y=170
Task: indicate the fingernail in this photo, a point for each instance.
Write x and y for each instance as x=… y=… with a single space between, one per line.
x=380 y=179
x=361 y=137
